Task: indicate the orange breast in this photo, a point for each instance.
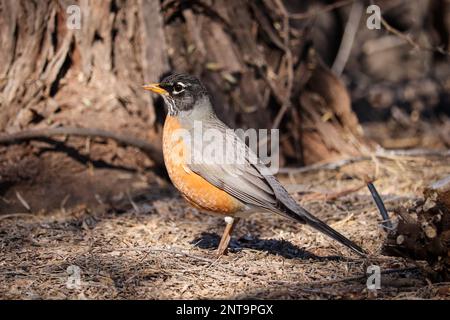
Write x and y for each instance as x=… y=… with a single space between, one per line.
x=194 y=188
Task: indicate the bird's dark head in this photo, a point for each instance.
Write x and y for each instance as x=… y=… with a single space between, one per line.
x=181 y=92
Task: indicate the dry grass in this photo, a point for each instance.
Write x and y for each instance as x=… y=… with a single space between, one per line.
x=167 y=249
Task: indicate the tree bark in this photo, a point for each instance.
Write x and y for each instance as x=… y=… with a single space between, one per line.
x=260 y=68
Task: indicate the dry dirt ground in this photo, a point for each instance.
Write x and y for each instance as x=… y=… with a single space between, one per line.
x=151 y=245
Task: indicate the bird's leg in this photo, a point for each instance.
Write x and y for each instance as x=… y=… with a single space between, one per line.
x=226 y=237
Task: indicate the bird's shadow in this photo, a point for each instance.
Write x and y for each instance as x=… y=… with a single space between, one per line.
x=283 y=248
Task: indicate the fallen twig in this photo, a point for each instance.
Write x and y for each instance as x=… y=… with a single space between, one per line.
x=311 y=285
x=364 y=276
x=386 y=223
x=16 y=215
x=381 y=153
x=324 y=166
x=413 y=153
x=21 y=136
x=23 y=201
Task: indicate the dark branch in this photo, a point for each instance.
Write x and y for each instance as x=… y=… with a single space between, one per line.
x=153 y=152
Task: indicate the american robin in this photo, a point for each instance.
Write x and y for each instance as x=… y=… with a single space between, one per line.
x=231 y=189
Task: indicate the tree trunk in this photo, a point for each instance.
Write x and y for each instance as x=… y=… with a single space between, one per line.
x=90 y=77
x=261 y=70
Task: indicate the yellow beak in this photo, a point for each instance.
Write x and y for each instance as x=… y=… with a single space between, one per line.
x=154 y=87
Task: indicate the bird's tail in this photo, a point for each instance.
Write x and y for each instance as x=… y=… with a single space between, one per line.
x=304 y=216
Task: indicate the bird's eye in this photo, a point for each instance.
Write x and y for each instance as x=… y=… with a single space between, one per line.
x=178 y=87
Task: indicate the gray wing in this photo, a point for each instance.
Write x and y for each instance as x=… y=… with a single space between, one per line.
x=240 y=173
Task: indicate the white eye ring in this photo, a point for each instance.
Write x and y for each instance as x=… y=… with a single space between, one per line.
x=178 y=87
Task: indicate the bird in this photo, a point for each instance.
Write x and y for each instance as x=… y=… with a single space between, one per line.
x=232 y=190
